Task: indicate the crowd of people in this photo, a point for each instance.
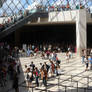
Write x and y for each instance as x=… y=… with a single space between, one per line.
x=64 y=7
x=9 y=20
x=9 y=65
x=45 y=70
x=41 y=73
x=46 y=50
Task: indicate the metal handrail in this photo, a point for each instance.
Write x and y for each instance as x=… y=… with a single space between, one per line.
x=21 y=22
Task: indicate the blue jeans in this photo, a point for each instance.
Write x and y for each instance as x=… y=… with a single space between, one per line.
x=37 y=82
x=44 y=81
x=83 y=59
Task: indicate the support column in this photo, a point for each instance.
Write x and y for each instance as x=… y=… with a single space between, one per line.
x=81 y=26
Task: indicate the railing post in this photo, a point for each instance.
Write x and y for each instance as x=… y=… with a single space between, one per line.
x=88 y=81
x=58 y=82
x=46 y=85
x=65 y=88
x=32 y=89
x=71 y=78
x=77 y=86
x=84 y=89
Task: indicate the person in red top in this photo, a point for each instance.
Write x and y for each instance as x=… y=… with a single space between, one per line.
x=51 y=8
x=36 y=50
x=37 y=74
x=81 y=6
x=68 y=6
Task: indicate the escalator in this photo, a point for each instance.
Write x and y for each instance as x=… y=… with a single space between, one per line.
x=22 y=22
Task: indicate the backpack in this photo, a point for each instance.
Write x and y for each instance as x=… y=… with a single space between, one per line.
x=58 y=61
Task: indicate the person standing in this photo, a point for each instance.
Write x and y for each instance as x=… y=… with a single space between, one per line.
x=67 y=56
x=37 y=76
x=90 y=60
x=28 y=76
x=46 y=66
x=44 y=77
x=15 y=82
x=18 y=65
x=32 y=67
x=87 y=63
x=83 y=56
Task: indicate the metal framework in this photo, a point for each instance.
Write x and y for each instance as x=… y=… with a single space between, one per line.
x=11 y=7
x=12 y=11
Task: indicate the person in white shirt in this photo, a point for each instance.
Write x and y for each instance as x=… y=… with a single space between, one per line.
x=87 y=63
